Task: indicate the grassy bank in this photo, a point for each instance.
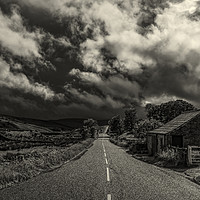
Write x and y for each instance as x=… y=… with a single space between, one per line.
x=118 y=142
x=18 y=166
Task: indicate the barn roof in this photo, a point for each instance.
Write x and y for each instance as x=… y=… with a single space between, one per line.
x=176 y=122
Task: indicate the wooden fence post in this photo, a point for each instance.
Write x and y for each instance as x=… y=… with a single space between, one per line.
x=189 y=155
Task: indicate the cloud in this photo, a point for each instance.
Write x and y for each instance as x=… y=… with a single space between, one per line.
x=15 y=37
x=20 y=81
x=117 y=87
x=92 y=99
x=169 y=49
x=9 y=98
x=105 y=53
x=174 y=46
x=81 y=110
x=156 y=100
x=63 y=7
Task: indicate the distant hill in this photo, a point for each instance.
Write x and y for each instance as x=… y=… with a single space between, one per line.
x=11 y=122
x=75 y=122
x=15 y=123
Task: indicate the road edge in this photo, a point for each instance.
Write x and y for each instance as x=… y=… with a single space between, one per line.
x=49 y=170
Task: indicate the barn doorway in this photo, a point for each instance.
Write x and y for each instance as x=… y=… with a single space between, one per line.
x=177 y=140
x=153 y=144
x=160 y=143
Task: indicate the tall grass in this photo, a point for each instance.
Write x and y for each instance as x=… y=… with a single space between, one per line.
x=169 y=155
x=17 y=167
x=118 y=142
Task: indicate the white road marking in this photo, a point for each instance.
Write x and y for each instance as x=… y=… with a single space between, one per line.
x=109 y=197
x=106 y=161
x=103 y=146
x=108 y=175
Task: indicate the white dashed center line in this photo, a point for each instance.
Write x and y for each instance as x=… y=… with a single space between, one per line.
x=107 y=170
x=109 y=197
x=108 y=174
x=106 y=161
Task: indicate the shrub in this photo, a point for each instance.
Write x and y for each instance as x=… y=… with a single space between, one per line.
x=137 y=147
x=23 y=166
x=169 y=155
x=122 y=144
x=113 y=140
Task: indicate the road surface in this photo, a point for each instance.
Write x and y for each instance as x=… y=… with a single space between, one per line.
x=105 y=172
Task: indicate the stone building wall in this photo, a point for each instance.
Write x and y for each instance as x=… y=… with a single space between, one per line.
x=190 y=132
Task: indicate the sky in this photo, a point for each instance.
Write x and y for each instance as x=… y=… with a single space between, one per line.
x=95 y=58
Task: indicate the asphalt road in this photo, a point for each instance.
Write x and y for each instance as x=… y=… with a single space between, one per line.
x=105 y=172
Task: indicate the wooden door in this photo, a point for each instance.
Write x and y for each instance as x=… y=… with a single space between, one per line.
x=177 y=140
x=154 y=145
x=160 y=144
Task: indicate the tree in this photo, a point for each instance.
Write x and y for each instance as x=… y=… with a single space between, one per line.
x=145 y=125
x=130 y=119
x=116 y=125
x=167 y=111
x=89 y=128
x=89 y=123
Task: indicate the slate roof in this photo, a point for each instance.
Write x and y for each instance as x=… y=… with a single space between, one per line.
x=176 y=123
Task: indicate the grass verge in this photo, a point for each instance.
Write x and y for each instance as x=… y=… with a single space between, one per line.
x=20 y=166
x=119 y=143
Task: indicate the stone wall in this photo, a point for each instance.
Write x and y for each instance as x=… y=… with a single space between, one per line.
x=190 y=132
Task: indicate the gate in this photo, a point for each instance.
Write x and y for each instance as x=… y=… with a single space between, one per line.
x=193 y=155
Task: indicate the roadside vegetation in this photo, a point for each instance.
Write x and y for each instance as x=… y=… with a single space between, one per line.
x=27 y=153
x=17 y=166
x=169 y=156
x=130 y=132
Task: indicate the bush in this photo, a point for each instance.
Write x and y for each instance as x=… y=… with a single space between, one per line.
x=169 y=155
x=113 y=140
x=137 y=147
x=23 y=166
x=122 y=144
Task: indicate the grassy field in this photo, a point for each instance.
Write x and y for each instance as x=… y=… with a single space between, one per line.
x=20 y=165
x=20 y=123
x=29 y=147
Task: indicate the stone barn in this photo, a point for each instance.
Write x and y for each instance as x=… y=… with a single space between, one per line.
x=182 y=131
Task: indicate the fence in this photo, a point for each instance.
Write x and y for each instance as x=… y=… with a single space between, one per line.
x=193 y=155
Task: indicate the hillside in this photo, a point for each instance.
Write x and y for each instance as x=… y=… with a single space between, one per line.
x=75 y=122
x=18 y=123
x=14 y=123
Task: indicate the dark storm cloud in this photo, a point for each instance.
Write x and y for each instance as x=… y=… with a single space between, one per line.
x=164 y=60
x=20 y=81
x=15 y=37
x=76 y=58
x=21 y=49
